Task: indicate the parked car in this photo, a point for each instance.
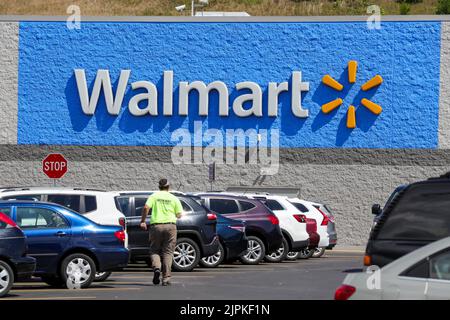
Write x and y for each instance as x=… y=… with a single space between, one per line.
x=14 y=262
x=326 y=226
x=292 y=224
x=196 y=230
x=262 y=226
x=97 y=205
x=233 y=242
x=64 y=242
x=416 y=215
x=420 y=274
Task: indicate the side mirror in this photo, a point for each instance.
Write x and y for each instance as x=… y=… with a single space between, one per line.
x=376 y=209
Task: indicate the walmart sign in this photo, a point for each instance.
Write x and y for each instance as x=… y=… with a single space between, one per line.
x=114 y=83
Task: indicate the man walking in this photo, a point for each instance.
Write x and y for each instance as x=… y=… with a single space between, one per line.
x=165 y=209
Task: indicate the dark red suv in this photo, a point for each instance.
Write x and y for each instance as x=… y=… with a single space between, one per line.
x=262 y=226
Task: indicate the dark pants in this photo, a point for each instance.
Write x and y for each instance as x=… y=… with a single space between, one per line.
x=163 y=239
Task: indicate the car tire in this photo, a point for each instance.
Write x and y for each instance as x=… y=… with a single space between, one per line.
x=318 y=252
x=6 y=278
x=101 y=276
x=78 y=262
x=280 y=254
x=292 y=255
x=186 y=255
x=255 y=251
x=305 y=253
x=214 y=260
x=53 y=281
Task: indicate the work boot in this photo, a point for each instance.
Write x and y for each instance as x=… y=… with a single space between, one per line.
x=156 y=275
x=166 y=283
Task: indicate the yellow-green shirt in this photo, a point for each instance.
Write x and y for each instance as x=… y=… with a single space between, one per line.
x=164 y=206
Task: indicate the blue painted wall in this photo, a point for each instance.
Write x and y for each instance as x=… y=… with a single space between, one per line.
x=405 y=54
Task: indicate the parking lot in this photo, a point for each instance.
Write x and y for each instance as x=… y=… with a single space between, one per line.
x=301 y=279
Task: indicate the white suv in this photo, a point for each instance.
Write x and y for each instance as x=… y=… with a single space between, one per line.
x=96 y=205
x=326 y=226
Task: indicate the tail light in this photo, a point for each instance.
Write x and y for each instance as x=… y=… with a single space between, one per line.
x=5 y=219
x=212 y=216
x=122 y=222
x=120 y=235
x=367 y=260
x=300 y=218
x=238 y=228
x=311 y=225
x=325 y=218
x=273 y=219
x=344 y=292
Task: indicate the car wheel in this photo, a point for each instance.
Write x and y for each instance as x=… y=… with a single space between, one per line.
x=292 y=255
x=305 y=253
x=215 y=259
x=278 y=255
x=186 y=255
x=318 y=252
x=255 y=251
x=6 y=278
x=101 y=276
x=80 y=268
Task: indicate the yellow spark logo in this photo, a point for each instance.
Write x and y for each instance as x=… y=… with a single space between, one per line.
x=351 y=112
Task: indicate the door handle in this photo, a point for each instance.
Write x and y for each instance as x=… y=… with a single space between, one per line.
x=61 y=234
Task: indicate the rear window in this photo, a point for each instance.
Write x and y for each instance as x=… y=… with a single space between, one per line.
x=273 y=205
x=223 y=206
x=245 y=205
x=421 y=213
x=90 y=203
x=66 y=200
x=186 y=207
x=300 y=207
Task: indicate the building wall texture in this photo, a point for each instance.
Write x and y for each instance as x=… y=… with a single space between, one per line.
x=347 y=169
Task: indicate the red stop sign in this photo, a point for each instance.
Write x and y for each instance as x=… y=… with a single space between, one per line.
x=54 y=165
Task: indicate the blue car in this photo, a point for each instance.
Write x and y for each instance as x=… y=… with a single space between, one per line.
x=14 y=262
x=233 y=242
x=66 y=245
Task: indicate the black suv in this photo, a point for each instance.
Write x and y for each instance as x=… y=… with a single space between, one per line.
x=415 y=215
x=196 y=236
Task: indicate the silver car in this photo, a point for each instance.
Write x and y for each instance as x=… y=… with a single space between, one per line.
x=419 y=275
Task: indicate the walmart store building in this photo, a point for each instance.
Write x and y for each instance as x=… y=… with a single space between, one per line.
x=359 y=109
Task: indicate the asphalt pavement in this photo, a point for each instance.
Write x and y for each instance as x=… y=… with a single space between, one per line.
x=302 y=279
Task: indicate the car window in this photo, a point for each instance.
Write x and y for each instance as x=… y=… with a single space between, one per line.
x=273 y=204
x=90 y=203
x=300 y=207
x=27 y=197
x=7 y=212
x=223 y=206
x=245 y=205
x=419 y=270
x=186 y=207
x=37 y=218
x=139 y=204
x=67 y=200
x=123 y=205
x=440 y=266
x=421 y=213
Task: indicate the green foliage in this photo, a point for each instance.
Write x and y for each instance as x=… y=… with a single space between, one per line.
x=404 y=8
x=443 y=7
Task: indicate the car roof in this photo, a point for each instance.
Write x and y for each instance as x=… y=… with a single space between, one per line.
x=224 y=195
x=28 y=202
x=131 y=192
x=31 y=190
